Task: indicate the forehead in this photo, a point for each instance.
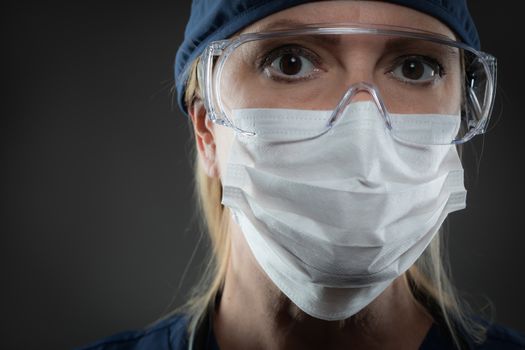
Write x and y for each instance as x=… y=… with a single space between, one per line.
x=350 y=11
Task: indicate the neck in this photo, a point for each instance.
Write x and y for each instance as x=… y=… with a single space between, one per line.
x=254 y=314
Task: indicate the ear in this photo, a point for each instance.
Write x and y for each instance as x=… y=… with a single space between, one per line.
x=205 y=138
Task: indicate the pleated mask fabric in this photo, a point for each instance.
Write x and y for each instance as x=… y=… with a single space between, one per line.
x=334 y=217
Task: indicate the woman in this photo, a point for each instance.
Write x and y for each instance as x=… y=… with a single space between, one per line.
x=328 y=137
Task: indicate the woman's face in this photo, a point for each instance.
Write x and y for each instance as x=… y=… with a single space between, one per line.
x=359 y=64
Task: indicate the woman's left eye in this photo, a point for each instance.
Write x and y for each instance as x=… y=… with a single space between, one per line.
x=417 y=70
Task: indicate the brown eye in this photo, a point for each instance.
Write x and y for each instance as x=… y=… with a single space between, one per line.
x=417 y=70
x=290 y=64
x=413 y=69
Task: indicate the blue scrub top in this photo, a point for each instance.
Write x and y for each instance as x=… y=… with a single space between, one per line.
x=171 y=334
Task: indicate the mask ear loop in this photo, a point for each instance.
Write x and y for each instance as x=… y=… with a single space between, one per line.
x=350 y=93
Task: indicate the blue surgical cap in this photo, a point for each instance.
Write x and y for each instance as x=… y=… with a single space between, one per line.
x=212 y=20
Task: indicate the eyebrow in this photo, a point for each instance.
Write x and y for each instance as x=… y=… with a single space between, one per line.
x=335 y=40
x=408 y=43
x=286 y=23
x=283 y=23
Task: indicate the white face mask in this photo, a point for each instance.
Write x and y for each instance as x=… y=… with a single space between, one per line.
x=334 y=218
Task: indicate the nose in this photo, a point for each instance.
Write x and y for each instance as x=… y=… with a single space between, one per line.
x=361 y=96
x=361 y=91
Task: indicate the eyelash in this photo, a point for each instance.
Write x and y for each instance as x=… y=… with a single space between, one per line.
x=432 y=62
x=265 y=60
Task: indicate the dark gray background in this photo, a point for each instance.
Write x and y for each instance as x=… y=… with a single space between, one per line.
x=97 y=221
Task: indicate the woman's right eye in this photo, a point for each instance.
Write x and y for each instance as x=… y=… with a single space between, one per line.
x=290 y=64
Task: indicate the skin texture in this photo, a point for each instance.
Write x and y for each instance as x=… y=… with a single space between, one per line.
x=253 y=313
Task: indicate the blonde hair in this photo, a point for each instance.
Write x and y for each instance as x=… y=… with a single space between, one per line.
x=429 y=278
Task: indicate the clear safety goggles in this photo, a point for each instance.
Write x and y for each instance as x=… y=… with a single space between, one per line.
x=406 y=72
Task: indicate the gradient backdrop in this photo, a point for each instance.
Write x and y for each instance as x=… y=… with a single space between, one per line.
x=97 y=222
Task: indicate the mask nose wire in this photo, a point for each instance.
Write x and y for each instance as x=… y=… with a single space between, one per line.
x=353 y=90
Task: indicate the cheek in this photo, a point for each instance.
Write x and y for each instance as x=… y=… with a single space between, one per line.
x=236 y=84
x=232 y=91
x=223 y=143
x=454 y=92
